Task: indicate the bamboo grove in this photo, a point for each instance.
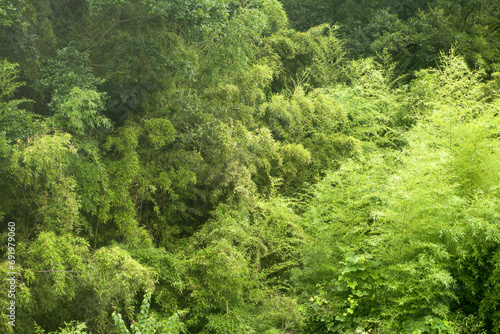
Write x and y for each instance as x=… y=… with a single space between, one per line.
x=233 y=166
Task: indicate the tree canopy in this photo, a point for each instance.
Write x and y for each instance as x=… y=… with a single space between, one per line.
x=216 y=167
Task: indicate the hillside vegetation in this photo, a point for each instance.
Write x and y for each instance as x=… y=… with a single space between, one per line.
x=227 y=166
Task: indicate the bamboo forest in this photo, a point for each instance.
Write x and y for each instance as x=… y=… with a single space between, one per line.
x=250 y=166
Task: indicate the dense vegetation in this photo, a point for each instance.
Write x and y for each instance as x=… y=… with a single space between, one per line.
x=251 y=166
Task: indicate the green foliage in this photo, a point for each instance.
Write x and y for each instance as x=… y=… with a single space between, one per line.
x=261 y=179
x=311 y=58
x=343 y=304
x=118 y=275
x=74 y=327
x=115 y=281
x=69 y=69
x=8 y=84
x=79 y=114
x=51 y=273
x=10 y=11
x=433 y=325
x=58 y=271
x=416 y=43
x=236 y=270
x=61 y=255
x=147 y=324
x=413 y=31
x=15 y=124
x=468 y=324
x=42 y=165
